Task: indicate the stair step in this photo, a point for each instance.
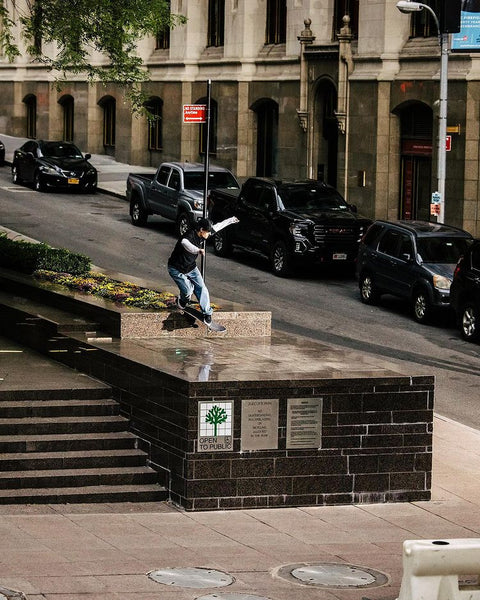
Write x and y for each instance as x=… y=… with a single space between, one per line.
x=26 y=461
x=57 y=408
x=91 y=494
x=80 y=477
x=67 y=442
x=38 y=425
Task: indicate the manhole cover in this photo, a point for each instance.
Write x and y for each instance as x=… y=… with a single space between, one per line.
x=332 y=575
x=191 y=577
x=232 y=596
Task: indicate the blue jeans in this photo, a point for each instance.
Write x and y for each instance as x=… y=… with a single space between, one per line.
x=189 y=283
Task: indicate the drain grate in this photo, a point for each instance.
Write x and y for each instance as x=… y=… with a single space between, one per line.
x=332 y=575
x=191 y=577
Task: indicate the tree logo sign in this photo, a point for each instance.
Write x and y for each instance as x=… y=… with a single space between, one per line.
x=215 y=426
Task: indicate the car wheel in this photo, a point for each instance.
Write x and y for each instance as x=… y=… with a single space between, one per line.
x=369 y=293
x=421 y=306
x=138 y=214
x=280 y=259
x=183 y=224
x=222 y=245
x=15 y=176
x=470 y=323
x=38 y=183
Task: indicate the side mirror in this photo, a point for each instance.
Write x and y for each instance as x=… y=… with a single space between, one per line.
x=353 y=207
x=88 y=156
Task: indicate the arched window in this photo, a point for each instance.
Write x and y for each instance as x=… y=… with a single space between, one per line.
x=109 y=115
x=67 y=104
x=267 y=137
x=276 y=26
x=30 y=102
x=213 y=129
x=154 y=105
x=216 y=23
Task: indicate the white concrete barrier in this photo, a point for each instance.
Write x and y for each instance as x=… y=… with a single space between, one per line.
x=432 y=570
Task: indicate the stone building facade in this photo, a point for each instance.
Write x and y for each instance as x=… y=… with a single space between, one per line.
x=340 y=90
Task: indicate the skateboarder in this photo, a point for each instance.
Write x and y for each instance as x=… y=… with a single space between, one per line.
x=182 y=265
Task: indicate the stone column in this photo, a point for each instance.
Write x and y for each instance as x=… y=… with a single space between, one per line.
x=306 y=38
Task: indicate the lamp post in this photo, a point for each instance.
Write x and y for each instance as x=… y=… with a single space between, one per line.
x=408 y=6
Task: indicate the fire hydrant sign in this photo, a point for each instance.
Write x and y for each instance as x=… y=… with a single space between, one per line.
x=215 y=426
x=194 y=113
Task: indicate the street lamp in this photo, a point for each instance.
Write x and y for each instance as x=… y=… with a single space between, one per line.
x=407 y=6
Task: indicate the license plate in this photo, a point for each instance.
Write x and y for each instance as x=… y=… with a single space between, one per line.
x=339 y=256
x=73 y=180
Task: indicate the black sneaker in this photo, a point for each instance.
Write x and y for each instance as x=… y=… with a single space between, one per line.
x=207 y=319
x=181 y=305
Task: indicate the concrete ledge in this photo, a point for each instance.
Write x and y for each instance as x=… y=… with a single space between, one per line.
x=174 y=324
x=126 y=322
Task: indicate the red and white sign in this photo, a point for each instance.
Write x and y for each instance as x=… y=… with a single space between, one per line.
x=448 y=143
x=194 y=113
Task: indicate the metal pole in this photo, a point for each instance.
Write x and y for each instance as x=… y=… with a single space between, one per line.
x=442 y=123
x=206 y=170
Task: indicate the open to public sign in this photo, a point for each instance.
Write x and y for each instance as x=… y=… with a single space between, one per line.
x=194 y=113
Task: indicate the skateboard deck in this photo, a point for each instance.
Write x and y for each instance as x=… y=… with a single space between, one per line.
x=196 y=314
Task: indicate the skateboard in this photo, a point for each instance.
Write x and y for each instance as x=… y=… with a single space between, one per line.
x=196 y=314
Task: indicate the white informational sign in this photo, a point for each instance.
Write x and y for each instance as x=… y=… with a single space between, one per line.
x=215 y=426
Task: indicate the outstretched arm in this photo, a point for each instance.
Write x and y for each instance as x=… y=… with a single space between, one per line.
x=222 y=224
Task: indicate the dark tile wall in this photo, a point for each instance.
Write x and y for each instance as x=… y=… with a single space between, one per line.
x=376 y=432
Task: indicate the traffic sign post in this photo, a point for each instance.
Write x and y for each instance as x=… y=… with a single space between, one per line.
x=200 y=113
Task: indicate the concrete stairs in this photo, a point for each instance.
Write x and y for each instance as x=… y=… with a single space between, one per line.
x=74 y=450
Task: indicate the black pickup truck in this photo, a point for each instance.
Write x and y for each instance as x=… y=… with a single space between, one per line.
x=288 y=222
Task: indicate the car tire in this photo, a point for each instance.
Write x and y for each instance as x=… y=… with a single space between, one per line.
x=280 y=259
x=15 y=176
x=138 y=214
x=183 y=224
x=38 y=184
x=222 y=246
x=421 y=306
x=369 y=293
x=470 y=322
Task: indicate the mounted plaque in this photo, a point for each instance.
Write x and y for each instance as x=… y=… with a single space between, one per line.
x=304 y=422
x=259 y=424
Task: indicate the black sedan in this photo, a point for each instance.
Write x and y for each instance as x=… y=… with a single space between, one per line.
x=53 y=165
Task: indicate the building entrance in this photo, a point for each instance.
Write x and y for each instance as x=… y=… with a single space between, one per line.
x=416 y=171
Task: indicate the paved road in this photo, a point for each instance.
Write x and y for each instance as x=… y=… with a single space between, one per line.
x=319 y=305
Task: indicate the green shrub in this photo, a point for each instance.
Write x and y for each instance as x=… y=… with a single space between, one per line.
x=28 y=257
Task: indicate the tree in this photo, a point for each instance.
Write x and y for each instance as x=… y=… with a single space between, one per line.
x=76 y=29
x=215 y=417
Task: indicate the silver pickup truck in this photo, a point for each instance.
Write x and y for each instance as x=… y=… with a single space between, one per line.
x=174 y=192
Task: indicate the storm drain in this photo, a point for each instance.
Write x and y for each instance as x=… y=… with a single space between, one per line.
x=332 y=575
x=191 y=577
x=231 y=596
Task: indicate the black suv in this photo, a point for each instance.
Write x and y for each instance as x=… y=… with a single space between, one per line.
x=414 y=260
x=465 y=293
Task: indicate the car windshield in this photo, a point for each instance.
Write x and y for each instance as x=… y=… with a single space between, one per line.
x=312 y=198
x=216 y=179
x=60 y=150
x=442 y=250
